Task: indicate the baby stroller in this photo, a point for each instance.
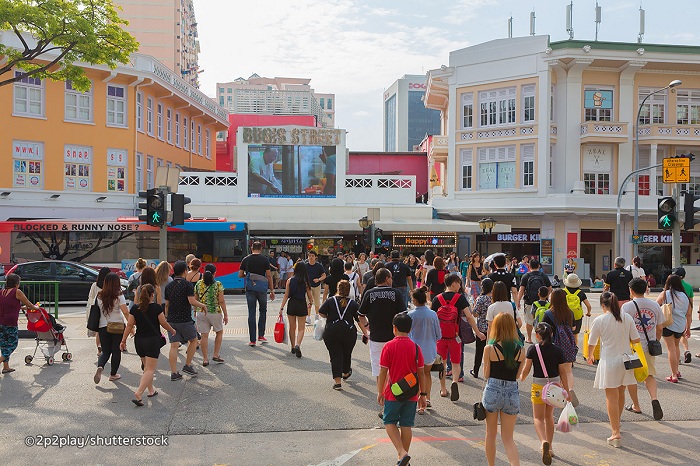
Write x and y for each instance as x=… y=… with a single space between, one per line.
x=49 y=336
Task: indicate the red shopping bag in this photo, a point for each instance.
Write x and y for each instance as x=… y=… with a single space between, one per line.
x=280 y=330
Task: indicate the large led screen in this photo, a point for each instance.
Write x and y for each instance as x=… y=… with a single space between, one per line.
x=302 y=171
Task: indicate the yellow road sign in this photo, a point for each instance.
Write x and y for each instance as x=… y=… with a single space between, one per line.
x=676 y=170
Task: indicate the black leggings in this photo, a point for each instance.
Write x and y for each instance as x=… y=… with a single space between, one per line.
x=340 y=340
x=479 y=354
x=110 y=347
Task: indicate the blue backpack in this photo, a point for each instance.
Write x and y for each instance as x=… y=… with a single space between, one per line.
x=564 y=338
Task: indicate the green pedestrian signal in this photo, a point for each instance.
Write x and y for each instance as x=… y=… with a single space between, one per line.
x=666 y=213
x=155 y=218
x=378 y=237
x=667 y=221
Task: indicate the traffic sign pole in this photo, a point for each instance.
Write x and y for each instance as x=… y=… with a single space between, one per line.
x=163 y=232
x=676 y=240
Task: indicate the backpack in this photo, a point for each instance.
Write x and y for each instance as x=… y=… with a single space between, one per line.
x=574 y=303
x=564 y=338
x=535 y=281
x=448 y=315
x=354 y=294
x=538 y=310
x=134 y=282
x=522 y=270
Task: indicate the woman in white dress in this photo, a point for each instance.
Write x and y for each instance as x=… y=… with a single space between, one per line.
x=616 y=331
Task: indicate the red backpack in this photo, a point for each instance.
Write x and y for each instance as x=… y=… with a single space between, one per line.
x=448 y=315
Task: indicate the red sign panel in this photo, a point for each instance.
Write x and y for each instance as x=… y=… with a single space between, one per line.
x=571 y=244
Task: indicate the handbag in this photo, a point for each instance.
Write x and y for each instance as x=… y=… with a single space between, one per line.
x=93 y=321
x=466 y=333
x=256 y=282
x=116 y=328
x=279 y=330
x=479 y=411
x=438 y=366
x=631 y=362
x=552 y=393
x=653 y=346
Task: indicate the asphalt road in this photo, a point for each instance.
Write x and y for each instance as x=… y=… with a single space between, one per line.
x=265 y=406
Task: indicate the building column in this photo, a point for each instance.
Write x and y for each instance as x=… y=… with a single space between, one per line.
x=652 y=173
x=628 y=107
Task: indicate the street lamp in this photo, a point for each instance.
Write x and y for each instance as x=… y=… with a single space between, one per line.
x=487 y=224
x=364 y=222
x=671 y=85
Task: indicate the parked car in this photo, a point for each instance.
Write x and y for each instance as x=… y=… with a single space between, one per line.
x=75 y=279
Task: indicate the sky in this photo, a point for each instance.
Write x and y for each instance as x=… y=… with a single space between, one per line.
x=357 y=49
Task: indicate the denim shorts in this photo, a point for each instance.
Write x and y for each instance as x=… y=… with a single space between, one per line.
x=501 y=395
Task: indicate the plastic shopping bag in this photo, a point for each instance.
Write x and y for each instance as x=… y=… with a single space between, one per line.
x=319 y=328
x=568 y=419
x=280 y=330
x=641 y=373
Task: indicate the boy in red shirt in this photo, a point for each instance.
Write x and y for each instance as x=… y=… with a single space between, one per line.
x=400 y=357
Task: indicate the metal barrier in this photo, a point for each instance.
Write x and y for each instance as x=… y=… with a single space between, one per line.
x=44 y=292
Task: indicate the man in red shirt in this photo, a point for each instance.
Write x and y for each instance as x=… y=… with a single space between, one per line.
x=400 y=357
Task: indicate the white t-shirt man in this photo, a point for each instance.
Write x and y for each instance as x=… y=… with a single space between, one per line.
x=652 y=316
x=282 y=264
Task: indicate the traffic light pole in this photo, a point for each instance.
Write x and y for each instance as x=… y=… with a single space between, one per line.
x=163 y=232
x=372 y=227
x=676 y=239
x=619 y=200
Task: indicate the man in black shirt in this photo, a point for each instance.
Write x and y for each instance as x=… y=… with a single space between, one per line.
x=316 y=274
x=179 y=299
x=500 y=275
x=617 y=281
x=401 y=275
x=256 y=269
x=379 y=306
x=274 y=269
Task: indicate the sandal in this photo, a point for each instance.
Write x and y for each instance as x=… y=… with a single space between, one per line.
x=631 y=409
x=7 y=371
x=672 y=379
x=421 y=411
x=205 y=363
x=444 y=395
x=546 y=454
x=474 y=374
x=427 y=404
x=217 y=359
x=137 y=402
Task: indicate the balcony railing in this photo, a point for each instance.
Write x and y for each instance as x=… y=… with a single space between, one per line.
x=604 y=131
x=669 y=132
x=275 y=102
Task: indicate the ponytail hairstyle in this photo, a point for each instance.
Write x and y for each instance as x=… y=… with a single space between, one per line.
x=609 y=300
x=545 y=331
x=420 y=295
x=209 y=271
x=343 y=293
x=145 y=297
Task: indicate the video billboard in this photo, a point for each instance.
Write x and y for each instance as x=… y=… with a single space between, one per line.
x=300 y=163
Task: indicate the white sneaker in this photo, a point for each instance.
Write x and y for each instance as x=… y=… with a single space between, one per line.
x=308 y=320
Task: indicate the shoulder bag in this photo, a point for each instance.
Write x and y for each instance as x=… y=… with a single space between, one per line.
x=552 y=393
x=93 y=321
x=654 y=346
x=407 y=387
x=255 y=282
x=667 y=309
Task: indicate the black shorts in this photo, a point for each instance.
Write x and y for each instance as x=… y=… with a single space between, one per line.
x=577 y=326
x=297 y=307
x=147 y=347
x=667 y=333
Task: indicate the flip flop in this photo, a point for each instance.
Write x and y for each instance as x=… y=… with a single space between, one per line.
x=631 y=409
x=153 y=394
x=546 y=454
x=455 y=392
x=7 y=371
x=658 y=412
x=404 y=460
x=205 y=363
x=137 y=402
x=215 y=359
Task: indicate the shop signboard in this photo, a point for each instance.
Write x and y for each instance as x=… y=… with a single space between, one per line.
x=424 y=241
x=547 y=255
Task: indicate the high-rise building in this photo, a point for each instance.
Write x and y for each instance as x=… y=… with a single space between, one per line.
x=406 y=120
x=276 y=96
x=166 y=30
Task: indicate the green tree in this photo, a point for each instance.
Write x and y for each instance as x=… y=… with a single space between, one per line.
x=57 y=34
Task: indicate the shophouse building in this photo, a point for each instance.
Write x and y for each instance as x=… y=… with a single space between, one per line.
x=541 y=135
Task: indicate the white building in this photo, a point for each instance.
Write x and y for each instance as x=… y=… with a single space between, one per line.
x=540 y=136
x=406 y=119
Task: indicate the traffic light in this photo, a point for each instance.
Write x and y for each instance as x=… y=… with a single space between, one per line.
x=367 y=236
x=666 y=212
x=378 y=237
x=143 y=204
x=689 y=210
x=177 y=206
x=155 y=208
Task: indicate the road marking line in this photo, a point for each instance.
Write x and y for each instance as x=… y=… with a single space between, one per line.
x=342 y=459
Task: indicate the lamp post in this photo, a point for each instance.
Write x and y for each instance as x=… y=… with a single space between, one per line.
x=487 y=224
x=672 y=84
x=367 y=223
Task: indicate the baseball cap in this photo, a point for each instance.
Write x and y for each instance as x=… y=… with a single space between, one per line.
x=680 y=271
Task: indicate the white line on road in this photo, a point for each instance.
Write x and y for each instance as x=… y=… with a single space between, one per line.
x=339 y=461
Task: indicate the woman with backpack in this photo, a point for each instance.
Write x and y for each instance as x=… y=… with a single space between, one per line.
x=615 y=330
x=425 y=332
x=340 y=335
x=503 y=359
x=450 y=307
x=674 y=293
x=435 y=278
x=561 y=319
x=548 y=366
x=576 y=299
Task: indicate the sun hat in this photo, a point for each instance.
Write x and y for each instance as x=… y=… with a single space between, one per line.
x=572 y=281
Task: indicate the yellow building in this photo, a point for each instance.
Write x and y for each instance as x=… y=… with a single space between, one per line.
x=108 y=141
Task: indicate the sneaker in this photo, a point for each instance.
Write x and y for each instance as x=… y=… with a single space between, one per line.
x=175 y=376
x=298 y=351
x=308 y=320
x=262 y=340
x=688 y=357
x=251 y=343
x=189 y=370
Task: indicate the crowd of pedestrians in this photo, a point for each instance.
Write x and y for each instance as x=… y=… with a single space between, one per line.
x=413 y=314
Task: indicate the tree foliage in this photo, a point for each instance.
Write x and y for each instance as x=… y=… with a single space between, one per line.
x=57 y=34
